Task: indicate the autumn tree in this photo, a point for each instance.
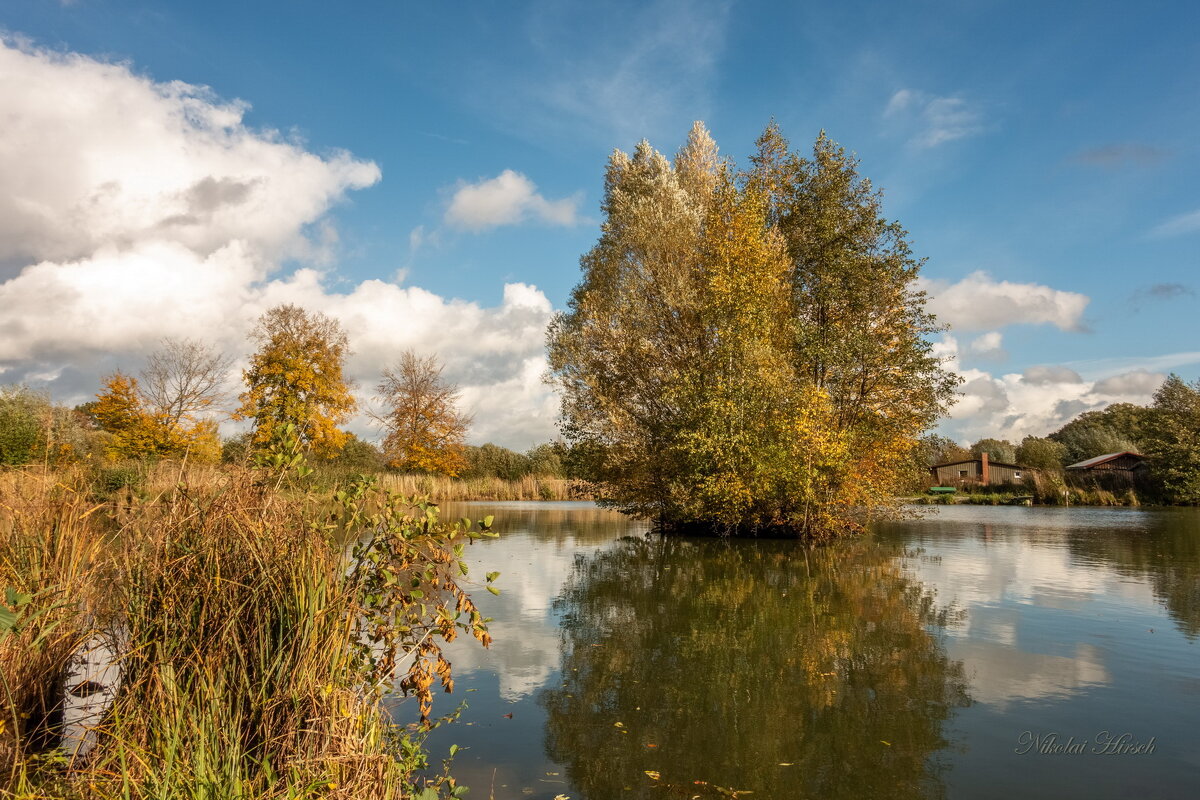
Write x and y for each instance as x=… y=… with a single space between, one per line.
x=136 y=432
x=296 y=377
x=424 y=430
x=746 y=350
x=182 y=381
x=168 y=410
x=1172 y=438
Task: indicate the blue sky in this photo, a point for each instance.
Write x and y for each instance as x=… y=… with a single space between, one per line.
x=1051 y=146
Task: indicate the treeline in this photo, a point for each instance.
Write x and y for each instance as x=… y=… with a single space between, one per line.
x=295 y=398
x=1166 y=432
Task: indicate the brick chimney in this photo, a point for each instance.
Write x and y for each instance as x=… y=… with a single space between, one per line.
x=983 y=468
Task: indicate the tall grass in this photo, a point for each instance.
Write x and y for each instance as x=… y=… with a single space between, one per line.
x=253 y=649
x=50 y=562
x=530 y=487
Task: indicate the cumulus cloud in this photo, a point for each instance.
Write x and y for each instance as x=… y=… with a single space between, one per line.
x=990 y=345
x=131 y=210
x=979 y=302
x=932 y=120
x=95 y=155
x=1178 y=225
x=1037 y=401
x=1048 y=375
x=508 y=199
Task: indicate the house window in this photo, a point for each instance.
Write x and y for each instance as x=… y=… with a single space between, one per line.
x=962 y=473
x=1017 y=476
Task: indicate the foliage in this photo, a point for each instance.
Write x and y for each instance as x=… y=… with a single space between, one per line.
x=547 y=460
x=1000 y=450
x=1172 y=439
x=746 y=351
x=35 y=430
x=357 y=455
x=1040 y=453
x=139 y=431
x=1115 y=429
x=295 y=377
x=424 y=430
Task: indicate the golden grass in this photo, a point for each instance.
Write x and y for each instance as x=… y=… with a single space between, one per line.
x=238 y=623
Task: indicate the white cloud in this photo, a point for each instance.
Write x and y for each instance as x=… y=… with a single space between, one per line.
x=1178 y=225
x=979 y=302
x=990 y=345
x=1037 y=401
x=508 y=199
x=1139 y=382
x=95 y=155
x=132 y=210
x=931 y=120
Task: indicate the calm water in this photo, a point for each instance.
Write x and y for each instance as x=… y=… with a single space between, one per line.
x=913 y=663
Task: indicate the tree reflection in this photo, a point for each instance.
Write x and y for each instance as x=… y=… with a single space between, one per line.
x=762 y=666
x=1168 y=555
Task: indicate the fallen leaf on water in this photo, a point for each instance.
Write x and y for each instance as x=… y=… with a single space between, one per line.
x=889 y=744
x=652 y=773
x=618 y=724
x=787 y=764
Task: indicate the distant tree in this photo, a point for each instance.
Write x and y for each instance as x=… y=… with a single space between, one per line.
x=33 y=429
x=997 y=450
x=547 y=460
x=1041 y=453
x=20 y=425
x=1090 y=435
x=358 y=455
x=424 y=430
x=296 y=376
x=136 y=433
x=493 y=461
x=1172 y=436
x=934 y=449
x=182 y=381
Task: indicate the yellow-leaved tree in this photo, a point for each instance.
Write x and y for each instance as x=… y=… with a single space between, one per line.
x=746 y=350
x=296 y=377
x=424 y=429
x=168 y=413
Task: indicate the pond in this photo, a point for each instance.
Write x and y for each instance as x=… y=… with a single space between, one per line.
x=973 y=652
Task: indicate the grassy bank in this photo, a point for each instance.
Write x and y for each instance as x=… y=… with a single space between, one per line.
x=252 y=649
x=139 y=479
x=1070 y=497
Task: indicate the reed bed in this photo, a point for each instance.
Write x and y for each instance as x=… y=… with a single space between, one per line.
x=443 y=489
x=253 y=650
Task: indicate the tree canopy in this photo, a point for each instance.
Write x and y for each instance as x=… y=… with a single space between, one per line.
x=296 y=377
x=424 y=429
x=746 y=349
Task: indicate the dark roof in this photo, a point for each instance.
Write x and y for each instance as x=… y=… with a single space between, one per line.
x=979 y=461
x=1104 y=459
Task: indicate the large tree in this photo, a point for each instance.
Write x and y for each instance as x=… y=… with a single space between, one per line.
x=1172 y=439
x=746 y=350
x=296 y=378
x=182 y=381
x=424 y=429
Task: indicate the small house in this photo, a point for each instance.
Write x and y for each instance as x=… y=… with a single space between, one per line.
x=1127 y=461
x=978 y=470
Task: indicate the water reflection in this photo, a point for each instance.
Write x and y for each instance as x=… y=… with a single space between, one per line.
x=755 y=666
x=734 y=658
